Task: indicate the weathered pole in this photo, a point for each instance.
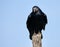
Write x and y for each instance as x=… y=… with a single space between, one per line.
x=36 y=40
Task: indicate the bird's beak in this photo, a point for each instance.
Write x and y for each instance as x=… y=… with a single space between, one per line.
x=34 y=10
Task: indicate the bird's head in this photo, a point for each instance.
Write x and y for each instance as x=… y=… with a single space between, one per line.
x=35 y=9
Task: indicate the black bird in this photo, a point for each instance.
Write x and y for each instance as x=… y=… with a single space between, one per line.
x=36 y=21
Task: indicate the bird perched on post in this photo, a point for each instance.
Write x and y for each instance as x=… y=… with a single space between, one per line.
x=36 y=21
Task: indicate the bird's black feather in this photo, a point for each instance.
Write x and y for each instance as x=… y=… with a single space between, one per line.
x=36 y=22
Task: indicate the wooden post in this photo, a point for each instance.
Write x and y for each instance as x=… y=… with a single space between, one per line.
x=36 y=40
